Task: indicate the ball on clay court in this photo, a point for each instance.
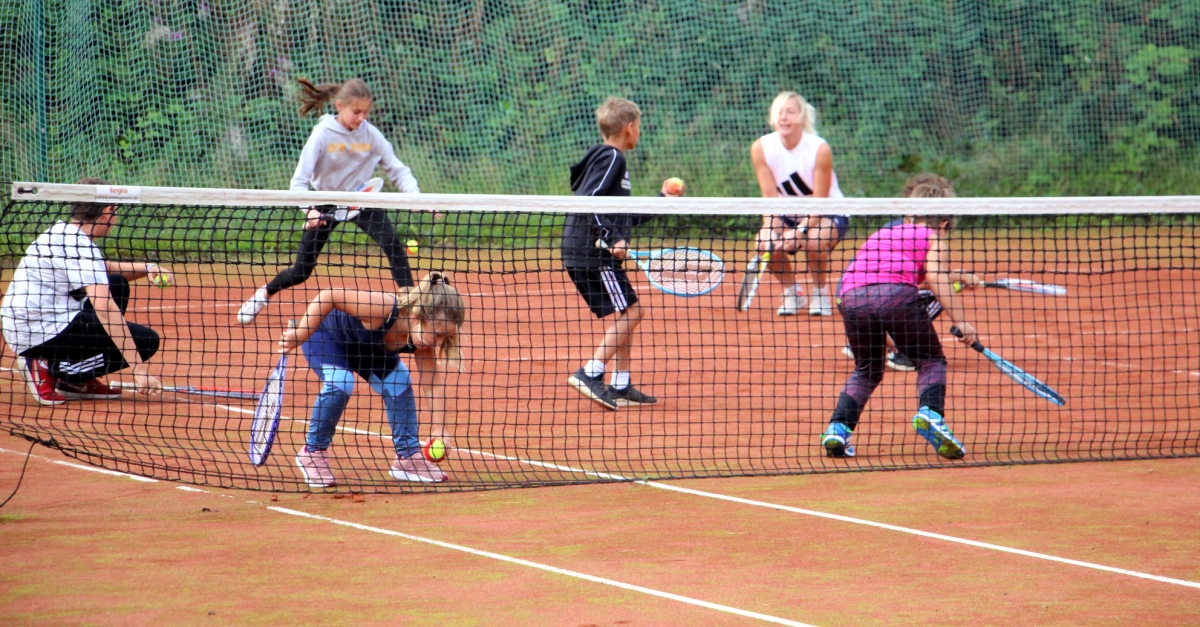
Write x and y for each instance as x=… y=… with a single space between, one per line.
x=675 y=186
x=162 y=281
x=412 y=246
x=434 y=450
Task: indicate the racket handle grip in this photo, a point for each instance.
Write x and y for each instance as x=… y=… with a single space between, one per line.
x=956 y=332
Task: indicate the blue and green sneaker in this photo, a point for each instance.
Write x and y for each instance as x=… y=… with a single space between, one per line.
x=836 y=440
x=929 y=425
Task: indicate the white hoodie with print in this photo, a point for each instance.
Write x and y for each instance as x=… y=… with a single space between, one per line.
x=338 y=159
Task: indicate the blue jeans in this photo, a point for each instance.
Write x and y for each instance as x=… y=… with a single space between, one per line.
x=398 y=400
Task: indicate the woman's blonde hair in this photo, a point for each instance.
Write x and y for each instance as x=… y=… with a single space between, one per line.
x=434 y=299
x=313 y=98
x=808 y=111
x=928 y=185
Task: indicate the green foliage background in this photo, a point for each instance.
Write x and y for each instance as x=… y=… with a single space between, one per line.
x=1009 y=97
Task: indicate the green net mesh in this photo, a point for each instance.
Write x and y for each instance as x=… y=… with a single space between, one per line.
x=1009 y=97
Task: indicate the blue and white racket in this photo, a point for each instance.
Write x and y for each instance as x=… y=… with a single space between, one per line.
x=268 y=411
x=1015 y=373
x=683 y=272
x=1022 y=285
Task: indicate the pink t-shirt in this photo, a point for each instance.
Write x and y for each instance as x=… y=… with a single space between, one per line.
x=892 y=255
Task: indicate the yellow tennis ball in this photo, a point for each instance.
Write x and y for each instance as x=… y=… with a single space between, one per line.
x=675 y=186
x=162 y=281
x=412 y=246
x=434 y=450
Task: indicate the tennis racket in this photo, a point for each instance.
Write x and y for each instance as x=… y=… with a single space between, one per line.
x=683 y=272
x=345 y=214
x=1021 y=285
x=754 y=271
x=268 y=411
x=199 y=390
x=1015 y=373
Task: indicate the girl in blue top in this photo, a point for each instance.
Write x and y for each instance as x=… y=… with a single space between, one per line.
x=349 y=332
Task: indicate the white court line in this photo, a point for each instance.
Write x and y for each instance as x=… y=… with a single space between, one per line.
x=807 y=512
x=481 y=553
x=103 y=471
x=848 y=519
x=764 y=504
x=551 y=569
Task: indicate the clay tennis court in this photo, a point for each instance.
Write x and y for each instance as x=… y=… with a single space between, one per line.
x=743 y=393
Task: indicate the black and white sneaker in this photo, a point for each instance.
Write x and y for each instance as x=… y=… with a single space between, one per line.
x=897 y=361
x=630 y=396
x=593 y=388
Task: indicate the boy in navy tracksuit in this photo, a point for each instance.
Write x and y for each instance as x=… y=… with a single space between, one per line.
x=593 y=249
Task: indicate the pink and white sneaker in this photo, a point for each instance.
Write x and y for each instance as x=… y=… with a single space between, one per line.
x=315 y=467
x=417 y=468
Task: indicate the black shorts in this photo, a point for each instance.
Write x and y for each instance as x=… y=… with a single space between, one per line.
x=607 y=290
x=84 y=351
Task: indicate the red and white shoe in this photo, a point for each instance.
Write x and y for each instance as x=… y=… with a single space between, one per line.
x=417 y=468
x=315 y=467
x=36 y=373
x=94 y=390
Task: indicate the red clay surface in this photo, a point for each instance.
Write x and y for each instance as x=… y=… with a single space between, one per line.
x=82 y=548
x=741 y=393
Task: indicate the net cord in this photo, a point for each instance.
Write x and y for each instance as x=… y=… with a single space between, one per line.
x=1072 y=205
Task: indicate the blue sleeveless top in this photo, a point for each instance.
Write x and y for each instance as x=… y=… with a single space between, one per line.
x=342 y=341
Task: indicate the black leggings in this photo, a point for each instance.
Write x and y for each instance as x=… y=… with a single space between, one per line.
x=84 y=350
x=374 y=222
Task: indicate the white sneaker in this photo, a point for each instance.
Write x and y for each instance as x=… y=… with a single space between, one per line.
x=792 y=303
x=826 y=304
x=819 y=303
x=251 y=307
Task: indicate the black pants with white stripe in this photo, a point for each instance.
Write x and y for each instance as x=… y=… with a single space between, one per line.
x=84 y=351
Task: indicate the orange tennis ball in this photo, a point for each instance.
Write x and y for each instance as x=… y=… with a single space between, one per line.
x=675 y=186
x=413 y=247
x=434 y=449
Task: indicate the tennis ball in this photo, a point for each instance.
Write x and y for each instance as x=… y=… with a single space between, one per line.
x=412 y=247
x=434 y=449
x=162 y=281
x=675 y=186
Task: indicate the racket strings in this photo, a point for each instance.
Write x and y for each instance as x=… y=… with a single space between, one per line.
x=686 y=271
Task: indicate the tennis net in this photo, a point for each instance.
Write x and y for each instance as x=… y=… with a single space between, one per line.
x=741 y=390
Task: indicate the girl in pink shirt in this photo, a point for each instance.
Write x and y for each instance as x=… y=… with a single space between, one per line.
x=880 y=297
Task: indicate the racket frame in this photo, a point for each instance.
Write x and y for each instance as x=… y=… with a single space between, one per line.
x=259 y=452
x=644 y=257
x=1015 y=373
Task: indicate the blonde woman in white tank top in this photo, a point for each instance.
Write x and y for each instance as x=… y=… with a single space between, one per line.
x=794 y=162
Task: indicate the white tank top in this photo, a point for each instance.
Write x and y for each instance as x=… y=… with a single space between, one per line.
x=793 y=169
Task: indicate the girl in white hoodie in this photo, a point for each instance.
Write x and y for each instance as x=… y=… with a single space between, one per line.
x=340 y=155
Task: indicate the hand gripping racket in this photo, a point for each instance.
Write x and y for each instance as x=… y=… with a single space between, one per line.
x=683 y=272
x=1015 y=373
x=1021 y=285
x=268 y=411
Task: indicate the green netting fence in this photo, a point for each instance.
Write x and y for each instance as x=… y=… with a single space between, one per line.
x=1007 y=96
